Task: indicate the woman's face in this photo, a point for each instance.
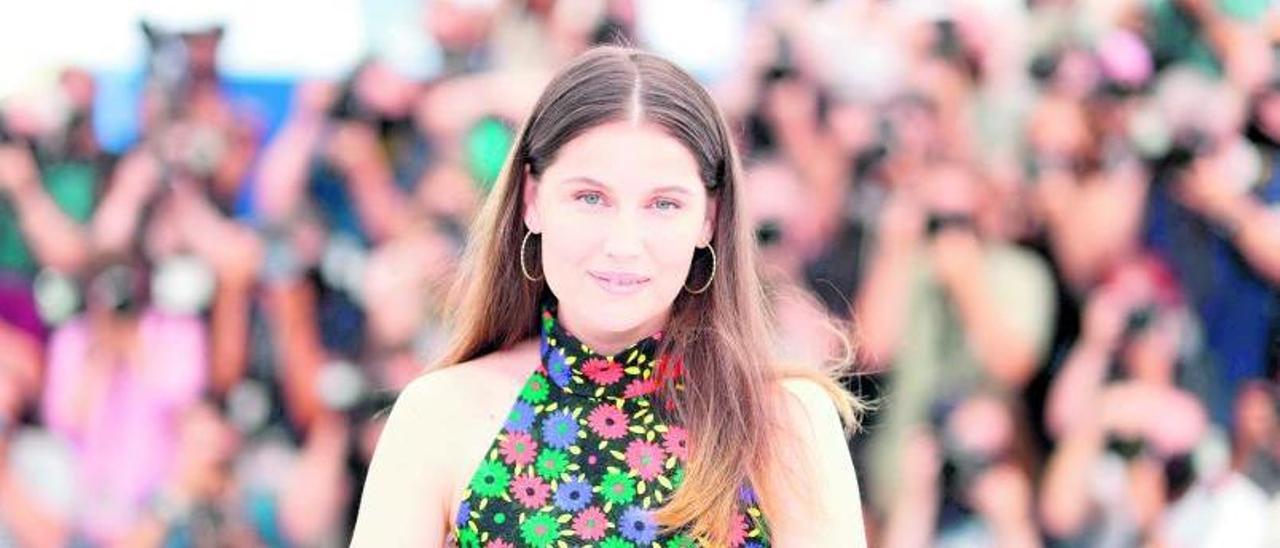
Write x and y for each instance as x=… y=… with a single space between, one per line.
x=620 y=211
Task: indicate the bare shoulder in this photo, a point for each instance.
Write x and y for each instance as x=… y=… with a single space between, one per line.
x=827 y=485
x=473 y=396
x=807 y=403
x=812 y=429
x=437 y=430
x=484 y=376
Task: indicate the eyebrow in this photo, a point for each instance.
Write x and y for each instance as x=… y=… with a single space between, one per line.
x=592 y=182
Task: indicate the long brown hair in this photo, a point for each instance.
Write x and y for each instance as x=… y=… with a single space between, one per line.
x=730 y=401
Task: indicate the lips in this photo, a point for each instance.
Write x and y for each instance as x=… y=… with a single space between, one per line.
x=619 y=282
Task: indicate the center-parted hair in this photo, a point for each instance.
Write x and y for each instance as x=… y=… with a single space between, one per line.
x=724 y=336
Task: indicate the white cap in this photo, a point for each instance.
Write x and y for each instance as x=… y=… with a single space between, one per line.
x=188 y=16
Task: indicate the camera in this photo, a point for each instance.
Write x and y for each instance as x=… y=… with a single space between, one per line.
x=1187 y=145
x=768 y=233
x=173 y=71
x=46 y=124
x=117 y=288
x=348 y=107
x=6 y=136
x=1140 y=319
x=1126 y=447
x=941 y=222
x=961 y=466
x=871 y=158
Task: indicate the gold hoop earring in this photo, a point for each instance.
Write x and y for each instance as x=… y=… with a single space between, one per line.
x=525 y=269
x=709 y=278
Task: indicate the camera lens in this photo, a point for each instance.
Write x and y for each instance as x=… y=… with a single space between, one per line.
x=768 y=233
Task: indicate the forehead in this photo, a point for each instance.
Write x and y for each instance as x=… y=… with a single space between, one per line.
x=626 y=156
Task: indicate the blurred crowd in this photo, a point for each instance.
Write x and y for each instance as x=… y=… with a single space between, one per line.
x=1053 y=227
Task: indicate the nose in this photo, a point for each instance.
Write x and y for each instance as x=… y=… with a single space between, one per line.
x=624 y=236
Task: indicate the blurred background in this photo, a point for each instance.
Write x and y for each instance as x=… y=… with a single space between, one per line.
x=1054 y=225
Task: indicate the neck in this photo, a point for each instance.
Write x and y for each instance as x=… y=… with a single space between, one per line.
x=608 y=343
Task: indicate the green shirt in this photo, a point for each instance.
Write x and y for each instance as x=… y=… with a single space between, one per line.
x=72 y=187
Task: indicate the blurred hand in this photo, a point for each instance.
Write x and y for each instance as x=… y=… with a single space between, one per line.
x=957 y=257
x=315 y=97
x=18 y=171
x=902 y=223
x=1206 y=187
x=353 y=147
x=138 y=174
x=923 y=459
x=232 y=249
x=207 y=443
x=1002 y=495
x=1105 y=316
x=1123 y=409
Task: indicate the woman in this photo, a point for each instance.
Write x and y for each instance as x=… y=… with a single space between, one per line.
x=610 y=380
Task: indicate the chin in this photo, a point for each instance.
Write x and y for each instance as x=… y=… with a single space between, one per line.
x=617 y=314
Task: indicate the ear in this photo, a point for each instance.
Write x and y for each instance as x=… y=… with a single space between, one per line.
x=529 y=190
x=709 y=223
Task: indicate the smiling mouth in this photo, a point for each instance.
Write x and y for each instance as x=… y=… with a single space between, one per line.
x=619 y=283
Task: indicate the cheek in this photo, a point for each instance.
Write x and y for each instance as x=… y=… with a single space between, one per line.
x=566 y=246
x=672 y=261
x=683 y=263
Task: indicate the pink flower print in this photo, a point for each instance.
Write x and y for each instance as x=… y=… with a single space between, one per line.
x=590 y=524
x=602 y=372
x=518 y=449
x=676 y=442
x=639 y=388
x=738 y=532
x=608 y=422
x=530 y=490
x=645 y=459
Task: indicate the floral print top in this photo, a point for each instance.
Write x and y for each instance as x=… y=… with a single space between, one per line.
x=586 y=455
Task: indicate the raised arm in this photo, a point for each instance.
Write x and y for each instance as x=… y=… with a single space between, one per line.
x=56 y=239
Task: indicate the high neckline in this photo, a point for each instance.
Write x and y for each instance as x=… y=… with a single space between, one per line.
x=576 y=368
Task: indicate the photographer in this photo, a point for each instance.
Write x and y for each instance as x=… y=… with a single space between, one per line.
x=351 y=152
x=1233 y=502
x=205 y=262
x=118 y=378
x=971 y=479
x=946 y=307
x=329 y=194
x=1125 y=425
x=188 y=115
x=1212 y=216
x=51 y=175
x=56 y=238
x=172 y=197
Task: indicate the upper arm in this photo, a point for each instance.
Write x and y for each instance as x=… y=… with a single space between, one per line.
x=404 y=493
x=829 y=481
x=65 y=359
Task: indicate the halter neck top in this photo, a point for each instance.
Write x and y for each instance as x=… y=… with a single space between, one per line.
x=586 y=455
